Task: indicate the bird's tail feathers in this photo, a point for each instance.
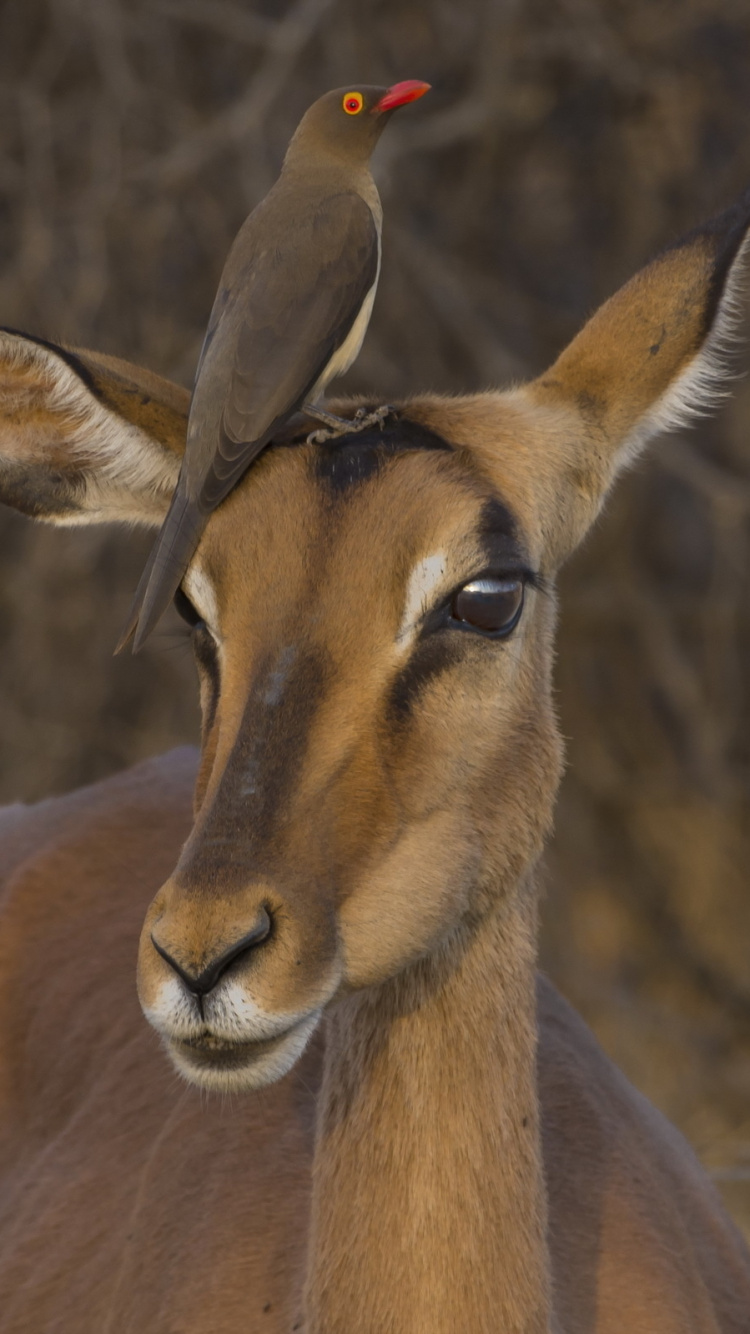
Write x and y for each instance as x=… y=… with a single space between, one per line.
x=131 y=623
x=169 y=559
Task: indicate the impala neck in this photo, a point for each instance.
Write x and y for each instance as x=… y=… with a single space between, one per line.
x=429 y=1209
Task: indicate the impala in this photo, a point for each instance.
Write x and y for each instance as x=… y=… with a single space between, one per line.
x=422 y=1137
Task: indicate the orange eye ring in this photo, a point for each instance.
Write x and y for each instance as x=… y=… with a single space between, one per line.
x=353 y=103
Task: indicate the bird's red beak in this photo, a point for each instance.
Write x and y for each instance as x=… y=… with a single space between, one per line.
x=401 y=93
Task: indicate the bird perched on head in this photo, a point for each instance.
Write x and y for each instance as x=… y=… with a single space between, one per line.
x=292 y=308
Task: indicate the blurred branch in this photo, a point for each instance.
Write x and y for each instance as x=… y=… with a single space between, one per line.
x=444 y=290
x=222 y=17
x=285 y=44
x=487 y=99
x=721 y=488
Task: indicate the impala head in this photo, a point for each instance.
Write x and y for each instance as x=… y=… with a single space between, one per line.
x=373 y=624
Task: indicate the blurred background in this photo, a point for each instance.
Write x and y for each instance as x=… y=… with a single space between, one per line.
x=564 y=142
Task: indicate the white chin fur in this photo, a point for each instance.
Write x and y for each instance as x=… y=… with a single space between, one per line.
x=229 y=1011
x=260 y=1070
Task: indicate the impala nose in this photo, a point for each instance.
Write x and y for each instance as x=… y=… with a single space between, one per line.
x=201 y=983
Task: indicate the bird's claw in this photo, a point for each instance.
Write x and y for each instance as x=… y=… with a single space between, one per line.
x=376 y=417
x=361 y=421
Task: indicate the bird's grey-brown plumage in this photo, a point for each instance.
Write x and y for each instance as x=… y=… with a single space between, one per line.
x=291 y=310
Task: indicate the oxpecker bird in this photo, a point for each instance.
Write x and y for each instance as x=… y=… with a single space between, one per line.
x=292 y=309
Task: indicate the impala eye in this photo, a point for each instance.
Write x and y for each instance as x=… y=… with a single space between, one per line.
x=492 y=606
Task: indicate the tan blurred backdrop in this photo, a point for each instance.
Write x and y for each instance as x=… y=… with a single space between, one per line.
x=564 y=142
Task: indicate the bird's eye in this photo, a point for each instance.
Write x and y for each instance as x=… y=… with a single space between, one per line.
x=491 y=605
x=353 y=103
x=184 y=608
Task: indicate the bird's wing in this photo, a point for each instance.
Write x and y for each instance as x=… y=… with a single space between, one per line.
x=300 y=299
x=283 y=309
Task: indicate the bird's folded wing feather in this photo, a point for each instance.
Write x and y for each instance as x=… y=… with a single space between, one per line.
x=289 y=307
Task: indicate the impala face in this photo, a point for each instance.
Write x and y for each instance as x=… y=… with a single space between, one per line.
x=372 y=630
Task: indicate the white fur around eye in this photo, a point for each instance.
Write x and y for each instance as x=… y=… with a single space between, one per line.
x=202 y=594
x=427 y=578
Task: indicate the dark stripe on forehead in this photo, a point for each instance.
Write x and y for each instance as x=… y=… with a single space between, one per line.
x=352 y=459
x=253 y=796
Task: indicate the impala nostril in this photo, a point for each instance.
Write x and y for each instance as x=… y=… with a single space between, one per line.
x=203 y=982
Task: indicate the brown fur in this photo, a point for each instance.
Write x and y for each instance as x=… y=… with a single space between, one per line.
x=158 y=406
x=382 y=793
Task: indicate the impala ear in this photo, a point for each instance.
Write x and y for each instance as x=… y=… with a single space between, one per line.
x=86 y=438
x=650 y=359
